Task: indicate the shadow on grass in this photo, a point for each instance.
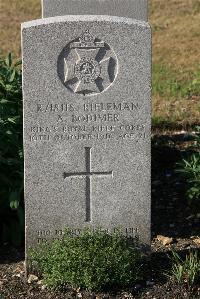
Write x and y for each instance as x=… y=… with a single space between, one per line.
x=168 y=125
x=9 y=255
x=171 y=214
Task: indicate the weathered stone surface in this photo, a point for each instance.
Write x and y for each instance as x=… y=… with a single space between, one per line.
x=136 y=9
x=87 y=116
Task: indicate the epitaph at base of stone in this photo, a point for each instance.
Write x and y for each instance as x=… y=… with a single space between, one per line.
x=136 y=9
x=87 y=116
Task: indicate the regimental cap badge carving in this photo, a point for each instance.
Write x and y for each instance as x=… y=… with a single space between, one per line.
x=88 y=65
x=86 y=40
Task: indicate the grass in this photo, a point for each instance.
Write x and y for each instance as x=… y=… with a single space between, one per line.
x=189 y=169
x=12 y=14
x=186 y=271
x=176 y=56
x=175 y=98
x=176 y=66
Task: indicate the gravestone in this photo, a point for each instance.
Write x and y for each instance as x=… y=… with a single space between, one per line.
x=136 y=9
x=87 y=117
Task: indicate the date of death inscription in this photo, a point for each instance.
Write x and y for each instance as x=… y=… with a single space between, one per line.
x=45 y=235
x=64 y=122
x=78 y=133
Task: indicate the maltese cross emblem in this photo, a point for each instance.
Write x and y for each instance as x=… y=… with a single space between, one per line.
x=89 y=65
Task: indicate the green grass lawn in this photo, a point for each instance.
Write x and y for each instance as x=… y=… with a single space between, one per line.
x=176 y=55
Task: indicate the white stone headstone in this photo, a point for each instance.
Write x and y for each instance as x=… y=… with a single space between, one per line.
x=87 y=118
x=136 y=9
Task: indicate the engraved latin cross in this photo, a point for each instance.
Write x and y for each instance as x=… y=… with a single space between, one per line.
x=88 y=175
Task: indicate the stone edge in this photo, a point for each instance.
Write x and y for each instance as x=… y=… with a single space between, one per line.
x=83 y=18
